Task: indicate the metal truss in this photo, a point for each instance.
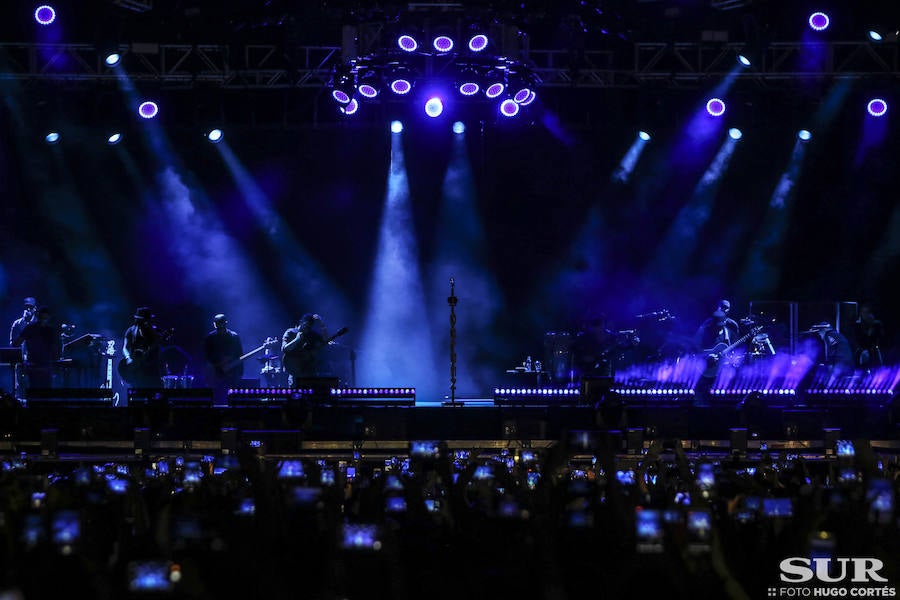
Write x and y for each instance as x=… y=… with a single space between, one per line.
x=270 y=66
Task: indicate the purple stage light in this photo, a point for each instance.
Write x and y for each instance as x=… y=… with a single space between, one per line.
x=494 y=90
x=531 y=96
x=407 y=43
x=819 y=21
x=478 y=42
x=367 y=90
x=45 y=14
x=341 y=96
x=442 y=43
x=715 y=107
x=434 y=107
x=351 y=107
x=522 y=95
x=469 y=88
x=148 y=109
x=401 y=86
x=509 y=108
x=877 y=107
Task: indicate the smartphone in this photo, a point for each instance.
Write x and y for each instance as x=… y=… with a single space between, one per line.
x=150 y=576
x=66 y=527
x=527 y=456
x=705 y=477
x=392 y=482
x=423 y=449
x=777 y=507
x=290 y=469
x=326 y=477
x=483 y=472
x=880 y=497
x=360 y=537
x=116 y=485
x=699 y=528
x=648 y=530
x=625 y=477
x=33 y=531
x=432 y=505
x=395 y=504
x=531 y=479
x=845 y=448
x=247 y=506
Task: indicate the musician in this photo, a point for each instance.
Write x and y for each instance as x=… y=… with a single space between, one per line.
x=718 y=328
x=302 y=349
x=43 y=348
x=592 y=349
x=222 y=349
x=29 y=316
x=838 y=355
x=869 y=332
x=141 y=351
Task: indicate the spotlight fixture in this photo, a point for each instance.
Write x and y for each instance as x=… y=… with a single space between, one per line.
x=804 y=135
x=509 y=108
x=343 y=88
x=494 y=90
x=369 y=84
x=351 y=107
x=819 y=21
x=459 y=127
x=215 y=135
x=469 y=88
x=531 y=97
x=407 y=43
x=114 y=139
x=644 y=136
x=735 y=133
x=443 y=43
x=434 y=107
x=401 y=86
x=522 y=95
x=478 y=42
x=45 y=14
x=396 y=127
x=742 y=58
x=875 y=36
x=112 y=59
x=52 y=137
x=715 y=107
x=877 y=107
x=148 y=109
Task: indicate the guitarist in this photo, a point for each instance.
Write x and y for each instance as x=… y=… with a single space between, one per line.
x=716 y=329
x=140 y=366
x=302 y=349
x=222 y=349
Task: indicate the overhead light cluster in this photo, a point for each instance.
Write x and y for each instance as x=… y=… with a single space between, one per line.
x=437 y=71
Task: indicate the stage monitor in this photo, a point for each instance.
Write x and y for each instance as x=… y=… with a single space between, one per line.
x=68 y=397
x=10 y=355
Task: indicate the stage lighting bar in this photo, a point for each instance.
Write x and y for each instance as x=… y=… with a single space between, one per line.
x=269 y=392
x=745 y=391
x=653 y=391
x=850 y=391
x=367 y=392
x=539 y=396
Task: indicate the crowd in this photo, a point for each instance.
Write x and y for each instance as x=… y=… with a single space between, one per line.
x=555 y=523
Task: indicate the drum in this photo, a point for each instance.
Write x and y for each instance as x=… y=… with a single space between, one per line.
x=761 y=346
x=178 y=382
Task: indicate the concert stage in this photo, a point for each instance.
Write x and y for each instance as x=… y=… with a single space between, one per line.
x=167 y=420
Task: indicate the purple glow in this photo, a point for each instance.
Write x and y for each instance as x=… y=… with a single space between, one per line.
x=494 y=90
x=531 y=96
x=442 y=43
x=148 y=109
x=368 y=90
x=400 y=86
x=715 y=107
x=45 y=14
x=351 y=107
x=469 y=88
x=407 y=43
x=478 y=42
x=509 y=108
x=877 y=107
x=819 y=21
x=341 y=96
x=434 y=107
x=522 y=95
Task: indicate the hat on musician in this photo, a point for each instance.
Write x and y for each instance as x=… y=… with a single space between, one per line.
x=144 y=313
x=724 y=305
x=29 y=301
x=219 y=318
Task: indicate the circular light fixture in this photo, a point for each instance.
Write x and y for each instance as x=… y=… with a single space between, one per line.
x=443 y=43
x=509 y=108
x=644 y=136
x=735 y=133
x=351 y=107
x=148 y=109
x=396 y=127
x=522 y=95
x=459 y=127
x=434 y=107
x=494 y=90
x=804 y=135
x=341 y=96
x=52 y=137
x=478 y=42
x=529 y=99
x=715 y=107
x=875 y=36
x=401 y=86
x=114 y=139
x=469 y=88
x=877 y=107
x=743 y=60
x=407 y=43
x=215 y=136
x=368 y=90
x=112 y=59
x=819 y=21
x=44 y=14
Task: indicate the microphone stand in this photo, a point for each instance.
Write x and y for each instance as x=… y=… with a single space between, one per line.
x=452 y=301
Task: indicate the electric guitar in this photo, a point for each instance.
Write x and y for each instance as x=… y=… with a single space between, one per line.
x=722 y=350
x=228 y=367
x=140 y=356
x=305 y=357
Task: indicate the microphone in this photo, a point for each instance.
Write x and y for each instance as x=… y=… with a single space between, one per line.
x=652 y=315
